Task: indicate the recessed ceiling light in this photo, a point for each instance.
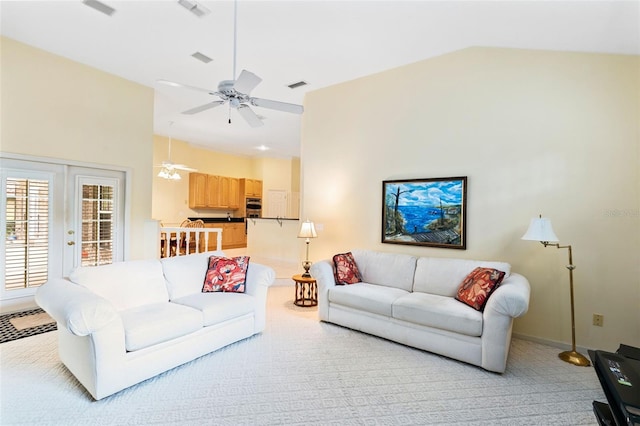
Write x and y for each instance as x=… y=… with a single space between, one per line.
x=99 y=6
x=262 y=148
x=202 y=57
x=194 y=7
x=297 y=84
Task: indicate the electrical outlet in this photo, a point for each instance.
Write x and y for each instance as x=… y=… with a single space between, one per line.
x=598 y=320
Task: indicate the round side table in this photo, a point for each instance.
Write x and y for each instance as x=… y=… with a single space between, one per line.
x=306 y=291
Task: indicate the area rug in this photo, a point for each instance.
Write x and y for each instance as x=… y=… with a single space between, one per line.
x=18 y=325
x=301 y=371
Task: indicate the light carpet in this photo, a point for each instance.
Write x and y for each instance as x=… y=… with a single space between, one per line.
x=305 y=372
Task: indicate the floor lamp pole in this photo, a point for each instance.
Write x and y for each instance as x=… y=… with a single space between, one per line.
x=572 y=356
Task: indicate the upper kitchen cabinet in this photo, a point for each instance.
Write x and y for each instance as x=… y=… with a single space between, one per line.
x=229 y=196
x=198 y=190
x=251 y=188
x=213 y=192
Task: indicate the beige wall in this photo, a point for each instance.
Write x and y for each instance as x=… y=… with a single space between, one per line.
x=536 y=132
x=54 y=107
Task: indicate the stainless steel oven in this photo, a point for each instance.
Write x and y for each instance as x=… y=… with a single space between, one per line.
x=253 y=207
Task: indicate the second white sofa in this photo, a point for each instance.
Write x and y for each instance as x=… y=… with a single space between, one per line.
x=123 y=323
x=411 y=300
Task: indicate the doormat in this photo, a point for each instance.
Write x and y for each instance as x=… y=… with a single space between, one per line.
x=24 y=324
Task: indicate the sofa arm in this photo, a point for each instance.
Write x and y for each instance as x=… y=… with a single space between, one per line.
x=259 y=279
x=322 y=271
x=511 y=298
x=509 y=301
x=74 y=307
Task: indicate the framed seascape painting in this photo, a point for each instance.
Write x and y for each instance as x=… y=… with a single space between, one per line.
x=425 y=212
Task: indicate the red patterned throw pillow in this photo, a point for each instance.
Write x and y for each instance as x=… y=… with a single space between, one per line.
x=478 y=286
x=226 y=274
x=346 y=269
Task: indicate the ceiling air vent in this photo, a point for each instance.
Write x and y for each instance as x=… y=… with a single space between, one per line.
x=297 y=84
x=99 y=6
x=202 y=57
x=194 y=7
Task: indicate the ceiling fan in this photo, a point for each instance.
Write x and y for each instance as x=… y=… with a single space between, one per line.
x=237 y=92
x=169 y=169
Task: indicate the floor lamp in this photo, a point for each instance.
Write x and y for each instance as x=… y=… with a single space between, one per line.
x=307 y=230
x=540 y=230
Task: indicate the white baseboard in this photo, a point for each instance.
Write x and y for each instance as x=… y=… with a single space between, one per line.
x=552 y=343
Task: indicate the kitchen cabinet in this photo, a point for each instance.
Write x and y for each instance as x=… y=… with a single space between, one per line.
x=229 y=196
x=213 y=192
x=198 y=190
x=251 y=188
x=233 y=235
x=234 y=193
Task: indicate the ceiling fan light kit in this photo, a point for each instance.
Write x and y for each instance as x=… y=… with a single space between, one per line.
x=165 y=173
x=169 y=170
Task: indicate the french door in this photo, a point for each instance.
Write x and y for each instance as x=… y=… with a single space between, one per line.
x=94 y=221
x=54 y=218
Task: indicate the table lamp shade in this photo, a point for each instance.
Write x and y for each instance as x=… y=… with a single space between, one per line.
x=307 y=230
x=540 y=229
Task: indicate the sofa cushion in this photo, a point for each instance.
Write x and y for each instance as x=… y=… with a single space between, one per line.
x=151 y=324
x=387 y=269
x=218 y=307
x=443 y=276
x=372 y=298
x=346 y=269
x=440 y=312
x=184 y=274
x=125 y=284
x=226 y=274
x=478 y=286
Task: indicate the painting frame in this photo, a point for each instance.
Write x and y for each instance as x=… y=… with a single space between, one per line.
x=429 y=212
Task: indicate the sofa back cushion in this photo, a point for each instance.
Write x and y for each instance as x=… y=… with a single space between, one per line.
x=388 y=269
x=125 y=284
x=185 y=274
x=443 y=276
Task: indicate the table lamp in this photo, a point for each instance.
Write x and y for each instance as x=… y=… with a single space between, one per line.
x=307 y=230
x=540 y=230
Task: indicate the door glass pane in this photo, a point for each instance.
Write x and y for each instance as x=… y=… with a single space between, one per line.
x=27 y=233
x=97 y=225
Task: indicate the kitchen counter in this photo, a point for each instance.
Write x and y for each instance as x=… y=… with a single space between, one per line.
x=218 y=219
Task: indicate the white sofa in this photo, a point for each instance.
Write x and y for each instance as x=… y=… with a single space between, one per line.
x=411 y=300
x=123 y=323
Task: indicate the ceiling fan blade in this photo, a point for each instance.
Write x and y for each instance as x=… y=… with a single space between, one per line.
x=280 y=106
x=250 y=116
x=185 y=168
x=246 y=82
x=184 y=86
x=203 y=107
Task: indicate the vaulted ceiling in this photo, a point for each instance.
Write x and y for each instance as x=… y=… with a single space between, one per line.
x=319 y=42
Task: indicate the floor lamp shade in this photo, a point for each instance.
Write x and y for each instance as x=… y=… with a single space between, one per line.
x=540 y=229
x=308 y=231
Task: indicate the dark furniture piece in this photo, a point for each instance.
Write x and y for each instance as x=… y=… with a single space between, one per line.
x=619 y=375
x=306 y=291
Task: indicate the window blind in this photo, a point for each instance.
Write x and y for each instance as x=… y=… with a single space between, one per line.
x=27 y=233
